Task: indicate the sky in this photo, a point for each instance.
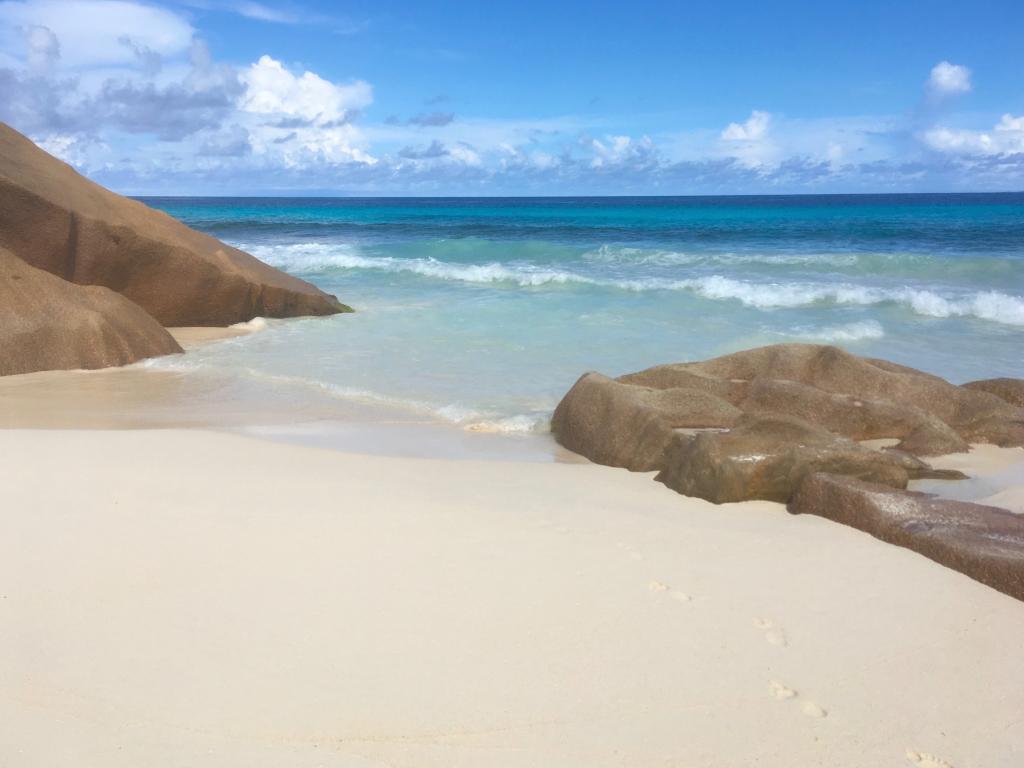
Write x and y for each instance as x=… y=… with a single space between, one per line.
x=238 y=97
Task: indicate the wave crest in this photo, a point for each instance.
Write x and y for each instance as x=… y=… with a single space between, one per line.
x=988 y=305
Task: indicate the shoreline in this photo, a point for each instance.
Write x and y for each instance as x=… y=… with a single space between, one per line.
x=429 y=612
x=139 y=398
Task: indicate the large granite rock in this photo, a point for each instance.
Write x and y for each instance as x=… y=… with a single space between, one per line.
x=767 y=456
x=627 y=425
x=47 y=323
x=57 y=220
x=834 y=370
x=813 y=401
x=985 y=543
x=1010 y=390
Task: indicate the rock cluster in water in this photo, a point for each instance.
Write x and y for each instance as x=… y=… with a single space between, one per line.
x=786 y=422
x=55 y=220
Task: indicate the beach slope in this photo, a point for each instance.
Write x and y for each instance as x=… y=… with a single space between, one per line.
x=205 y=599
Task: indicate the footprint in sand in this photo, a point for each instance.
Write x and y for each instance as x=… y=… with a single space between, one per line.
x=780 y=691
x=772 y=632
x=924 y=760
x=675 y=594
x=811 y=709
x=785 y=693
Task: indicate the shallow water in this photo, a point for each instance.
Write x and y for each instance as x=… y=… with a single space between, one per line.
x=482 y=312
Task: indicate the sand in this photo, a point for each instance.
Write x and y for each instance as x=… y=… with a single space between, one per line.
x=190 y=337
x=191 y=598
x=996 y=477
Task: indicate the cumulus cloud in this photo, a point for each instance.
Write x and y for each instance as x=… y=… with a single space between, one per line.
x=755 y=128
x=749 y=142
x=1006 y=137
x=273 y=90
x=171 y=111
x=126 y=91
x=949 y=79
x=617 y=151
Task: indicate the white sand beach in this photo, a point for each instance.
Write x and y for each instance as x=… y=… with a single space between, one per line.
x=175 y=597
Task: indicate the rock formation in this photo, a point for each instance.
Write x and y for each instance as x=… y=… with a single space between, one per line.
x=767 y=456
x=1010 y=390
x=59 y=221
x=48 y=323
x=985 y=543
x=783 y=423
x=791 y=409
x=631 y=426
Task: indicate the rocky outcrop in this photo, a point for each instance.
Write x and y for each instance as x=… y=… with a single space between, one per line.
x=792 y=409
x=47 y=323
x=61 y=222
x=631 y=426
x=1010 y=390
x=985 y=543
x=767 y=456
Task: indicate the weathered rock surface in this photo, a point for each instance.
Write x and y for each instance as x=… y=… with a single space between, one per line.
x=1010 y=390
x=767 y=456
x=812 y=402
x=59 y=221
x=834 y=370
x=47 y=323
x=627 y=425
x=985 y=543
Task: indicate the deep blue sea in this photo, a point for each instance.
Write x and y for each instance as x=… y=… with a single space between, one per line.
x=483 y=312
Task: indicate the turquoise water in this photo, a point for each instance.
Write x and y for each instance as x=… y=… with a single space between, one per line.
x=482 y=312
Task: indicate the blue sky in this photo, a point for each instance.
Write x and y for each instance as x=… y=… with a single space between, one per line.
x=239 y=97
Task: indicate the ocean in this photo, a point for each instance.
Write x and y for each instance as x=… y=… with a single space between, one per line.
x=482 y=312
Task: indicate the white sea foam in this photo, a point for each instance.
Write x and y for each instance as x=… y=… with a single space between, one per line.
x=858 y=331
x=608 y=254
x=252 y=326
x=315 y=257
x=988 y=305
x=466 y=417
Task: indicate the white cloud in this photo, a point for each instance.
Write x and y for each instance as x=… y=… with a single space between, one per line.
x=299 y=120
x=274 y=90
x=749 y=142
x=90 y=31
x=262 y=12
x=616 y=150
x=753 y=129
x=1006 y=137
x=949 y=79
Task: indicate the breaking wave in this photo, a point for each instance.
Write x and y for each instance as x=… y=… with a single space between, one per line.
x=990 y=305
x=859 y=331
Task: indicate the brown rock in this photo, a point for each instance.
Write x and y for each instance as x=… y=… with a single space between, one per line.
x=767 y=456
x=625 y=425
x=985 y=543
x=1010 y=390
x=833 y=370
x=857 y=418
x=933 y=438
x=59 y=221
x=998 y=430
x=47 y=323
x=680 y=377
